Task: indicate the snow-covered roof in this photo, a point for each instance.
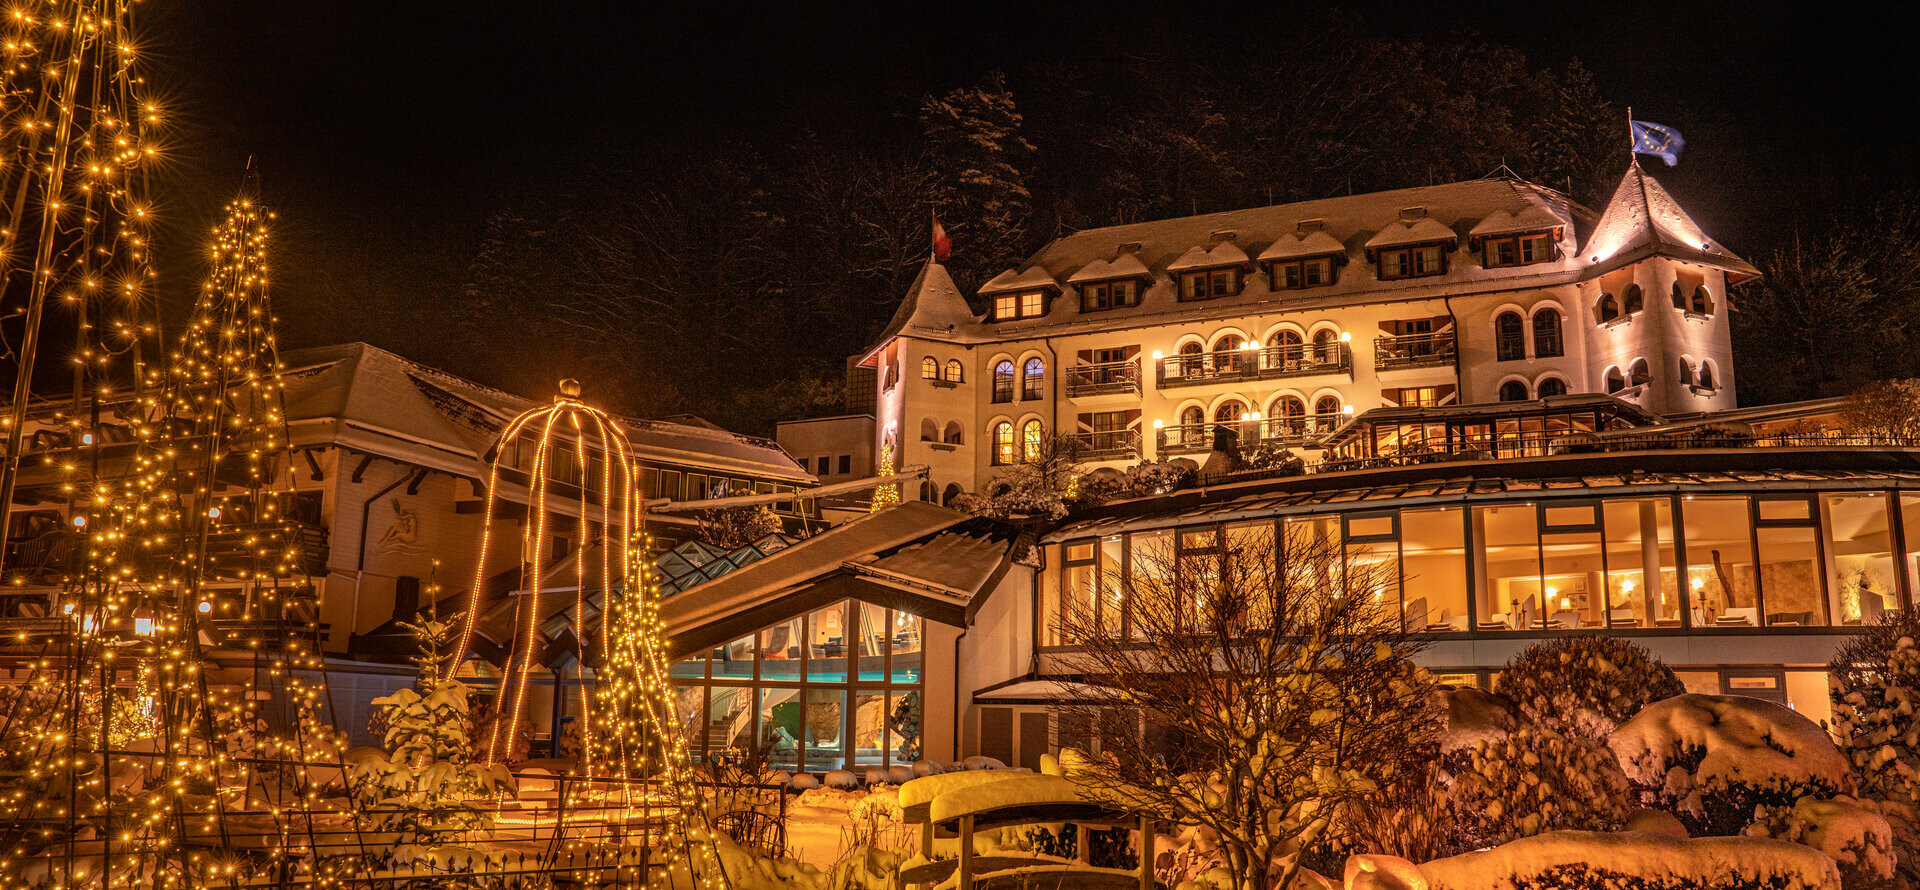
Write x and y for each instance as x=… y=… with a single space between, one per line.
x=933 y=308
x=1035 y=797
x=944 y=557
x=1293 y=246
x=1226 y=253
x=381 y=403
x=1009 y=281
x=1642 y=219
x=1424 y=230
x=1531 y=218
x=1126 y=265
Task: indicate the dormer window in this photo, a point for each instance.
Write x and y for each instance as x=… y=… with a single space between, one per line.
x=1096 y=296
x=1302 y=274
x=1417 y=261
x=1020 y=304
x=1517 y=250
x=1206 y=284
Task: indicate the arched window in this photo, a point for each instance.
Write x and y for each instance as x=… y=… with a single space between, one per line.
x=1513 y=391
x=1030 y=440
x=946 y=497
x=1003 y=443
x=1229 y=411
x=1546 y=333
x=1509 y=337
x=929 y=430
x=1193 y=422
x=1190 y=361
x=1227 y=343
x=1706 y=375
x=955 y=434
x=1609 y=308
x=929 y=368
x=1286 y=338
x=1003 y=382
x=1686 y=371
x=1639 y=372
x=1679 y=296
x=926 y=491
x=1326 y=345
x=1291 y=413
x=1615 y=381
x=1551 y=386
x=1702 y=301
x=954 y=372
x=1033 y=380
x=1633 y=300
x=1326 y=413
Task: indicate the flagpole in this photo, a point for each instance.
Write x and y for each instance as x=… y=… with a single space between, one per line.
x=1629 y=132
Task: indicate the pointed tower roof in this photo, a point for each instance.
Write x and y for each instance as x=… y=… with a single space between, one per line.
x=1643 y=220
x=933 y=308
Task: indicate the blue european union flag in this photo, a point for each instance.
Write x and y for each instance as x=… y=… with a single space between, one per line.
x=1659 y=140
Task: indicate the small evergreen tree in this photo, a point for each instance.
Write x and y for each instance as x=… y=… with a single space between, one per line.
x=426 y=791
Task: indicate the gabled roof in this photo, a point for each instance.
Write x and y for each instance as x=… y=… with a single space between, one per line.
x=1126 y=265
x=933 y=308
x=1642 y=220
x=1226 y=253
x=1032 y=278
x=940 y=560
x=1424 y=230
x=1293 y=245
x=1531 y=218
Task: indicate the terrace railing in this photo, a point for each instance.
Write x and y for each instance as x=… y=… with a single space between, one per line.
x=1266 y=363
x=1104 y=378
x=1413 y=351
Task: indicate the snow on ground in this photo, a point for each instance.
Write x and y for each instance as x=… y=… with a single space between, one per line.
x=823 y=824
x=1708 y=861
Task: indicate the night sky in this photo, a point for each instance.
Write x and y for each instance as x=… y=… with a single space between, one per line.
x=385 y=131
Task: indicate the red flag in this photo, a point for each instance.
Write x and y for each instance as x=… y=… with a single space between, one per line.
x=942 y=245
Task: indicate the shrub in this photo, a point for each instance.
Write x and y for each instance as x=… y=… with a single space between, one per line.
x=1875 y=682
x=1535 y=781
x=1586 y=686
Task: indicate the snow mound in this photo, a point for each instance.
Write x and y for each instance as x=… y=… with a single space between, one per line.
x=1369 y=871
x=1655 y=860
x=921 y=792
x=842 y=779
x=978 y=761
x=1741 y=741
x=1857 y=838
x=926 y=768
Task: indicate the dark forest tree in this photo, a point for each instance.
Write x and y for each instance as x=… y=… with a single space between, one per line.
x=973 y=136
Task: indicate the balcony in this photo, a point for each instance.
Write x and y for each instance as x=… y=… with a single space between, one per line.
x=1268 y=363
x=243 y=549
x=1106 y=378
x=1413 y=351
x=1292 y=432
x=1106 y=444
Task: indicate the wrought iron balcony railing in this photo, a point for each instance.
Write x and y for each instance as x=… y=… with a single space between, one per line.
x=1266 y=363
x=1107 y=443
x=1413 y=351
x=1105 y=378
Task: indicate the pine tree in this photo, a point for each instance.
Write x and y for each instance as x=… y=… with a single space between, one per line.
x=973 y=136
x=1578 y=139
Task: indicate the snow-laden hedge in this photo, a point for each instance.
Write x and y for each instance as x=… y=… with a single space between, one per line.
x=1712 y=759
x=1583 y=860
x=1535 y=781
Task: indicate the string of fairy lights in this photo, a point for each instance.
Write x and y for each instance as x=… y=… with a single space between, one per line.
x=637 y=765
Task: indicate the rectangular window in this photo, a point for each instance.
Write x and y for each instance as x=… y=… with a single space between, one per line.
x=1080 y=590
x=1033 y=304
x=1641 y=588
x=1301 y=274
x=1006 y=306
x=1721 y=589
x=1571 y=575
x=1434 y=569
x=1859 y=542
x=1101 y=295
x=1208 y=284
x=1507 y=567
x=1517 y=250
x=827 y=644
x=1150 y=583
x=1412 y=262
x=846 y=463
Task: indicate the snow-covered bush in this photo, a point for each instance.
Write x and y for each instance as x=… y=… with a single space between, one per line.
x=1161 y=476
x=1273 y=456
x=1855 y=837
x=1875 y=689
x=1534 y=781
x=1585 y=860
x=1098 y=486
x=1711 y=759
x=1586 y=686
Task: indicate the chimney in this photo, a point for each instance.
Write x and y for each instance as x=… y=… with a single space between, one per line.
x=1410 y=214
x=1216 y=238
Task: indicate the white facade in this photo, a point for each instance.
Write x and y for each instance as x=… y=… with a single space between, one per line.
x=1468 y=292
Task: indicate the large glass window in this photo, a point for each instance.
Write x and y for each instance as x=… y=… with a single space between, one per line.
x=1080 y=588
x=1860 y=546
x=1720 y=567
x=1572 y=569
x=1641 y=588
x=1433 y=569
x=1507 y=566
x=837 y=686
